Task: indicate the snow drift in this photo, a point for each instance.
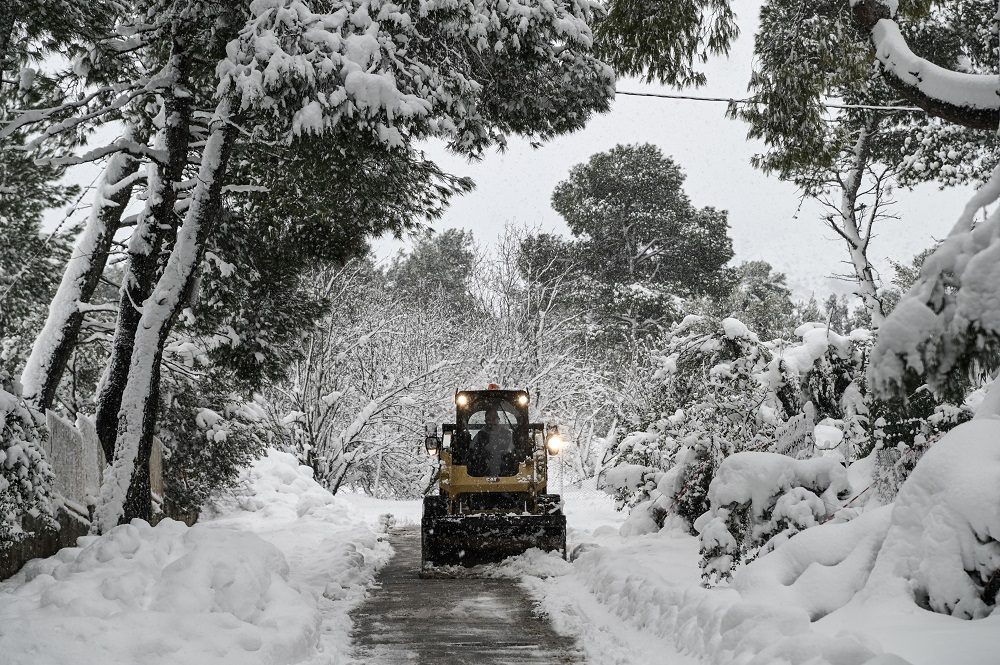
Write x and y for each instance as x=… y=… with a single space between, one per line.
x=220 y=592
x=914 y=581
x=942 y=549
x=163 y=594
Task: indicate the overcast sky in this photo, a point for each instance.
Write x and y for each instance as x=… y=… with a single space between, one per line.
x=764 y=215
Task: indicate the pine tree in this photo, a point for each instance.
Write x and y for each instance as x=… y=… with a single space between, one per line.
x=761 y=299
x=439 y=267
x=25 y=476
x=643 y=244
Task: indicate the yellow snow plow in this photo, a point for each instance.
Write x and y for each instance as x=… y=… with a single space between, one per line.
x=493 y=499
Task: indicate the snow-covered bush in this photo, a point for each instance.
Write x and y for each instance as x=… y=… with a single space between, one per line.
x=718 y=391
x=942 y=548
x=709 y=402
x=935 y=547
x=25 y=476
x=759 y=500
x=902 y=433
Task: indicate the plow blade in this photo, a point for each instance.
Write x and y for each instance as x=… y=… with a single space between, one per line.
x=470 y=540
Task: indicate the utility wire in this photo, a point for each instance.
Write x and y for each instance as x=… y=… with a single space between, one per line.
x=731 y=100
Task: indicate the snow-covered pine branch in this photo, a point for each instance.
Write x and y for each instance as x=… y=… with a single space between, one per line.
x=971 y=100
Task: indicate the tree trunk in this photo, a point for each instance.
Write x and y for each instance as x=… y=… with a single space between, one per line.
x=8 y=10
x=155 y=223
x=851 y=231
x=55 y=344
x=125 y=492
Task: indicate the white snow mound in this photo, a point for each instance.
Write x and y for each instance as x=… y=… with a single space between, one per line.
x=942 y=546
x=163 y=594
x=221 y=592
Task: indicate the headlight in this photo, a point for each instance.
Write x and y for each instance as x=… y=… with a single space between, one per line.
x=554 y=443
x=522 y=399
x=461 y=399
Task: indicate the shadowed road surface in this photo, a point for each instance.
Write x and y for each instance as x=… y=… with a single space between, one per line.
x=449 y=621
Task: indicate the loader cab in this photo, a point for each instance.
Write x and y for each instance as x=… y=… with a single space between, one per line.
x=491 y=435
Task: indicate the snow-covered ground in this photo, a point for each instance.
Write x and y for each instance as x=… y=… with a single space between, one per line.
x=832 y=595
x=268 y=577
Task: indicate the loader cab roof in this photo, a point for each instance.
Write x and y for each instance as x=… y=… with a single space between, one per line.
x=472 y=407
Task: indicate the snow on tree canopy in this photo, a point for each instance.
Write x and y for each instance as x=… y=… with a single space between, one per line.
x=958 y=88
x=409 y=70
x=25 y=476
x=949 y=321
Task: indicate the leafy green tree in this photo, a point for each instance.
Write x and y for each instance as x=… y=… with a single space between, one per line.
x=438 y=268
x=665 y=41
x=640 y=243
x=761 y=299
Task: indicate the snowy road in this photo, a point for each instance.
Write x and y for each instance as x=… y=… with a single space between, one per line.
x=451 y=621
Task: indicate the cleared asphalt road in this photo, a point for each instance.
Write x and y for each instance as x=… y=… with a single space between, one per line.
x=451 y=621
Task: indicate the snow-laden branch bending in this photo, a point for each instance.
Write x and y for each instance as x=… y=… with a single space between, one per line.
x=971 y=100
x=948 y=324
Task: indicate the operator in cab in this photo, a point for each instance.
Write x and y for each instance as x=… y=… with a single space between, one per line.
x=493 y=443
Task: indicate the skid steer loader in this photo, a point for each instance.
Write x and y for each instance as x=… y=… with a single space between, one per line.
x=493 y=499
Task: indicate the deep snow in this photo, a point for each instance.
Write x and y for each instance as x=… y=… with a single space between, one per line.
x=841 y=593
x=272 y=572
x=268 y=577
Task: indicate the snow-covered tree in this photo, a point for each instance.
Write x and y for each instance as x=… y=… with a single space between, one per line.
x=760 y=298
x=849 y=158
x=943 y=331
x=197 y=74
x=644 y=245
x=440 y=267
x=373 y=370
x=25 y=476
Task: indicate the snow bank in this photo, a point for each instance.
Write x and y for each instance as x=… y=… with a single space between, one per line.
x=647 y=588
x=942 y=546
x=819 y=570
x=163 y=594
x=268 y=577
x=839 y=593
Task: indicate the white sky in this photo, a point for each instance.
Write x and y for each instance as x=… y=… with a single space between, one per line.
x=763 y=212
x=764 y=215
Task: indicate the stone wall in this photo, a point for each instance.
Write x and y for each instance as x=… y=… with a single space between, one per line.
x=43 y=542
x=77 y=459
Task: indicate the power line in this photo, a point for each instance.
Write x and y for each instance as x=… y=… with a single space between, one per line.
x=733 y=100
